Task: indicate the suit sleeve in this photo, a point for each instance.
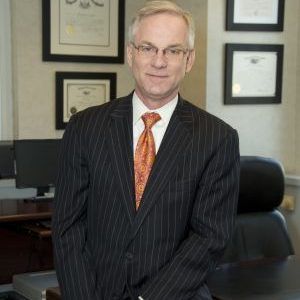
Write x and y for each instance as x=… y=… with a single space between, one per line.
x=69 y=223
x=211 y=225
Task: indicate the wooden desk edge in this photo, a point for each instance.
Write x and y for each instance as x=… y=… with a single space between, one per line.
x=25 y=217
x=53 y=293
x=38 y=231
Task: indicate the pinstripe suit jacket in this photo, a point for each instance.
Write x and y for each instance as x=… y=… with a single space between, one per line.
x=165 y=249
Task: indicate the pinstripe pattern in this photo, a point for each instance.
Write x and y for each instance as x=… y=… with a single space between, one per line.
x=165 y=249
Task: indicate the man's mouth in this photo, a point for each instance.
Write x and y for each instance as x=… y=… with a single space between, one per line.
x=157 y=75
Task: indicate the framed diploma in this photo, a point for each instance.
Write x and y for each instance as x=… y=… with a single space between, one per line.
x=76 y=91
x=255 y=15
x=83 y=30
x=253 y=73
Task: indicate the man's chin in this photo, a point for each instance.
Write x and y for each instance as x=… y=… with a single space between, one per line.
x=155 y=101
x=156 y=95
x=160 y=98
x=161 y=95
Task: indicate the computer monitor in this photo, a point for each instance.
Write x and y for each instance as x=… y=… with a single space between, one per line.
x=7 y=169
x=36 y=164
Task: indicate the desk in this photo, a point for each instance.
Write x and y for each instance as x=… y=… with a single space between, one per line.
x=261 y=279
x=53 y=294
x=14 y=210
x=21 y=252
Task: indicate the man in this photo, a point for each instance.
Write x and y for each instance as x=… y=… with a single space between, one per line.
x=148 y=184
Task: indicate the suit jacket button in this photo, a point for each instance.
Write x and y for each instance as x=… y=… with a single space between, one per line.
x=116 y=296
x=129 y=256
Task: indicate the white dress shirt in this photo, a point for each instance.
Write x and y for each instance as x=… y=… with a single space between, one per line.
x=159 y=128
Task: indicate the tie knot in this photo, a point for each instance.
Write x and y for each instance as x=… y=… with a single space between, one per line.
x=150 y=119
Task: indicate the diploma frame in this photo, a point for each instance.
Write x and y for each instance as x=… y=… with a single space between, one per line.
x=245 y=25
x=82 y=54
x=267 y=80
x=80 y=80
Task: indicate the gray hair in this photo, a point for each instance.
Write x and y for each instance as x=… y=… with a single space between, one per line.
x=162 y=6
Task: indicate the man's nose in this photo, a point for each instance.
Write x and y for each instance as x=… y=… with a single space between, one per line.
x=159 y=60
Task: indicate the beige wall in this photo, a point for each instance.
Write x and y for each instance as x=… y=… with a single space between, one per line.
x=34 y=80
x=293 y=218
x=268 y=130
x=298 y=99
x=6 y=107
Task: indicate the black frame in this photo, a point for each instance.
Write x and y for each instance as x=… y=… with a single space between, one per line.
x=61 y=76
x=48 y=56
x=229 y=51
x=231 y=26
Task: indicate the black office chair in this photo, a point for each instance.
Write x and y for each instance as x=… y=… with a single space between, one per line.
x=260 y=228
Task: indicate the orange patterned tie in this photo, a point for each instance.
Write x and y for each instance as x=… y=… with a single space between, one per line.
x=144 y=155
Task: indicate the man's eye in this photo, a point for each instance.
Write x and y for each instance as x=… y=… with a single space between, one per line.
x=147 y=49
x=174 y=51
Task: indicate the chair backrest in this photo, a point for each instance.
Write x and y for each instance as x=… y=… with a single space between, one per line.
x=261 y=229
x=261 y=184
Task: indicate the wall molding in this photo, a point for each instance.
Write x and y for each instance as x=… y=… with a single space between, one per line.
x=292 y=180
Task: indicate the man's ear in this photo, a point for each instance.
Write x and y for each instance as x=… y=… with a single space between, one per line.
x=129 y=55
x=190 y=61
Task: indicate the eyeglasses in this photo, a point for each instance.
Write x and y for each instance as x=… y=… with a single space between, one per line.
x=170 y=53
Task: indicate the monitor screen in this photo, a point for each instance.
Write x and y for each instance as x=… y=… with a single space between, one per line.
x=36 y=163
x=7 y=169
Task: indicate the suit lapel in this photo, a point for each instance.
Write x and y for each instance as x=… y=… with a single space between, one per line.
x=120 y=149
x=175 y=141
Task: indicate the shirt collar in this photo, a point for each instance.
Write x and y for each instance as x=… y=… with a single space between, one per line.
x=165 y=112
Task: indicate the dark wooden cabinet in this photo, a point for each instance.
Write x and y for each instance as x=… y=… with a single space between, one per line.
x=21 y=252
x=23 y=249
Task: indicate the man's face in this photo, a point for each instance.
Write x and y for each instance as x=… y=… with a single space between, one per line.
x=158 y=75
